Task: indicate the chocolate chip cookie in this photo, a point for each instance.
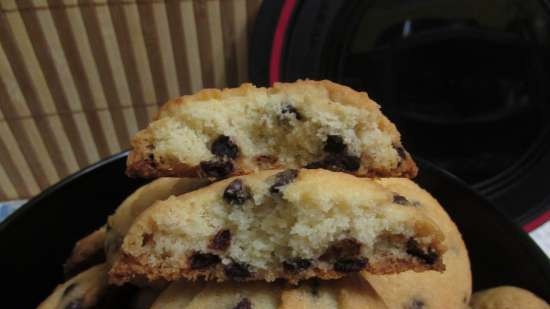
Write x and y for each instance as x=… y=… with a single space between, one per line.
x=291 y=224
x=313 y=124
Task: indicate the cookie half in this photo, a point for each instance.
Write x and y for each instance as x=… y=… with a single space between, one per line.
x=291 y=224
x=312 y=124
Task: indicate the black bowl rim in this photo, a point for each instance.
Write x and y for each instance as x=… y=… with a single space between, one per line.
x=21 y=211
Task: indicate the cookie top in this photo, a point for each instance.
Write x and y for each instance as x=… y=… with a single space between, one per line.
x=279 y=224
x=89 y=289
x=313 y=124
x=82 y=291
x=507 y=297
x=141 y=199
x=412 y=290
x=347 y=293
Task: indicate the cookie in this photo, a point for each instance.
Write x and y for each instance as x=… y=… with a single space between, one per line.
x=346 y=293
x=89 y=289
x=291 y=224
x=86 y=252
x=313 y=124
x=507 y=297
x=82 y=291
x=427 y=290
x=159 y=189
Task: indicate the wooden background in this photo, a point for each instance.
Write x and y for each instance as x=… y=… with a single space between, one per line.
x=79 y=78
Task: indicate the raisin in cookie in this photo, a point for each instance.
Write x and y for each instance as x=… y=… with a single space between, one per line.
x=313 y=124
x=346 y=293
x=507 y=297
x=450 y=289
x=160 y=189
x=292 y=224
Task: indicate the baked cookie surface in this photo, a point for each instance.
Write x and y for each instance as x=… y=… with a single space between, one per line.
x=507 y=297
x=279 y=224
x=90 y=289
x=313 y=124
x=450 y=289
x=141 y=199
x=84 y=290
x=346 y=293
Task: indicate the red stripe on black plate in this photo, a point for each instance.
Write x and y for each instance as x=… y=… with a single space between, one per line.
x=540 y=220
x=278 y=41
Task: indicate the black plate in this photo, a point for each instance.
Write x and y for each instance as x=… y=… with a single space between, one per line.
x=36 y=240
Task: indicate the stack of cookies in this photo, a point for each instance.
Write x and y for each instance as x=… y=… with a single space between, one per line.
x=296 y=196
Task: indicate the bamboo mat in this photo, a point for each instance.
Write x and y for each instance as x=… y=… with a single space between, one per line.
x=79 y=78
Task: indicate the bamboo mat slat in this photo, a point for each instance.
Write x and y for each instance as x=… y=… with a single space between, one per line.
x=78 y=78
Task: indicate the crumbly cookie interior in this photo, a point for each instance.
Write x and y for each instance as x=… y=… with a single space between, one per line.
x=280 y=128
x=274 y=227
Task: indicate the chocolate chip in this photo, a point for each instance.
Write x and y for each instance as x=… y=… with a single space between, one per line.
x=337 y=163
x=291 y=110
x=221 y=240
x=315 y=285
x=400 y=199
x=350 y=265
x=237 y=271
x=266 y=161
x=217 y=169
x=223 y=146
x=350 y=163
x=415 y=304
x=281 y=179
x=413 y=248
x=236 y=193
x=151 y=160
x=203 y=260
x=315 y=164
x=146 y=239
x=401 y=152
x=335 y=144
x=69 y=289
x=243 y=304
x=296 y=265
x=75 y=304
x=345 y=248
